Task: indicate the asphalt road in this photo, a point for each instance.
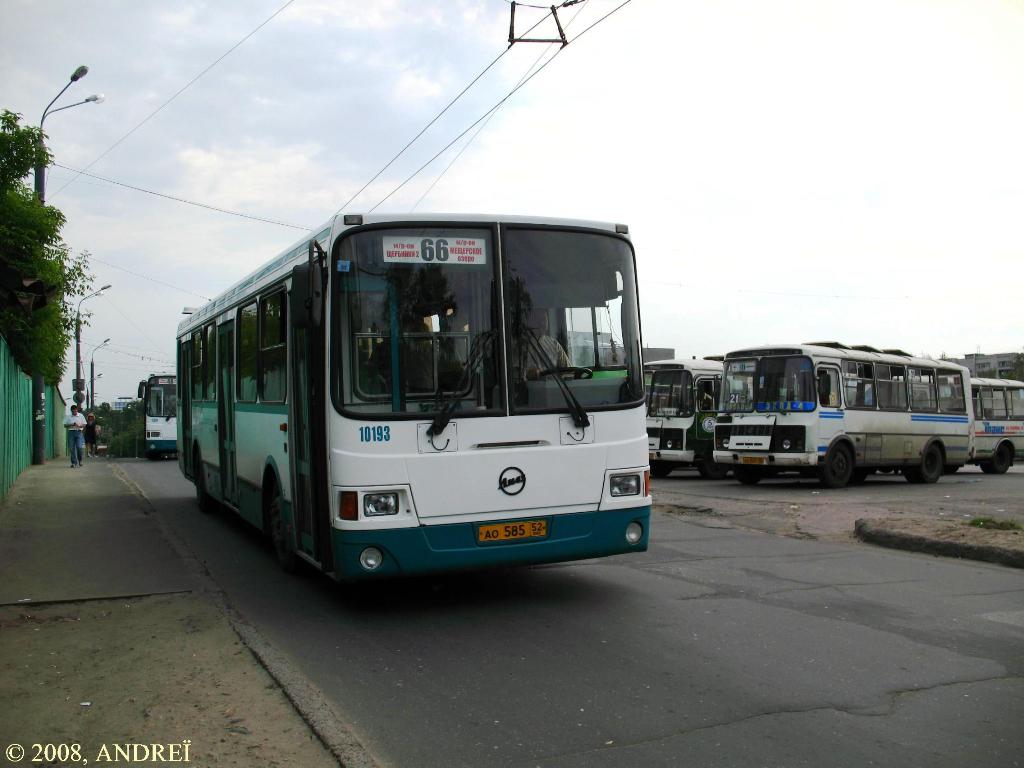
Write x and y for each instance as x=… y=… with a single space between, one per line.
x=718 y=647
x=795 y=506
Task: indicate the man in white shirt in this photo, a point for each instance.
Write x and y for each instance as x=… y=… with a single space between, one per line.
x=75 y=424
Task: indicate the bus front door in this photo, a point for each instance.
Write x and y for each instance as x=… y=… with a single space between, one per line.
x=226 y=411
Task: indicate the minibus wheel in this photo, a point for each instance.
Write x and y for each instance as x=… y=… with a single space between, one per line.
x=838 y=467
x=712 y=470
x=1001 y=461
x=930 y=469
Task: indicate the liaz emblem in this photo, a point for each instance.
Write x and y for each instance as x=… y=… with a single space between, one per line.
x=511 y=481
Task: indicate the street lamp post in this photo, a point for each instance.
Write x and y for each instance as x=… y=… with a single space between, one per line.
x=38 y=383
x=92 y=373
x=78 y=384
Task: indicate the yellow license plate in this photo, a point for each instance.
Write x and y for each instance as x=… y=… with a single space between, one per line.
x=752 y=460
x=521 y=529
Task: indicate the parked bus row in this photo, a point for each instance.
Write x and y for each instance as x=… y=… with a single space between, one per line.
x=409 y=395
x=837 y=412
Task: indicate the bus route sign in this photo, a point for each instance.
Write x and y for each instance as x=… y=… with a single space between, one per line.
x=435 y=250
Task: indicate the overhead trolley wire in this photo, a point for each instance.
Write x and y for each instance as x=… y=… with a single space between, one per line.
x=434 y=120
x=490 y=116
x=496 y=106
x=184 y=200
x=177 y=93
x=146 y=277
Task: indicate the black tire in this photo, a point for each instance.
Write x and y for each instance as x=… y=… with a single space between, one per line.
x=860 y=475
x=207 y=504
x=661 y=468
x=284 y=553
x=1002 y=459
x=748 y=475
x=986 y=467
x=711 y=470
x=930 y=469
x=838 y=467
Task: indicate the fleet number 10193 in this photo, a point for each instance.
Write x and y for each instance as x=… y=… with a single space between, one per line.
x=374 y=434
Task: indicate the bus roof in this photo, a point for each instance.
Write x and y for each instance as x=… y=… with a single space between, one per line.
x=703 y=365
x=1012 y=383
x=835 y=350
x=279 y=266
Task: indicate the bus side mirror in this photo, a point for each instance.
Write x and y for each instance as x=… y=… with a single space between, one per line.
x=142 y=390
x=307 y=292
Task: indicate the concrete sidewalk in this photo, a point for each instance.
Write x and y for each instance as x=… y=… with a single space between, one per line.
x=110 y=634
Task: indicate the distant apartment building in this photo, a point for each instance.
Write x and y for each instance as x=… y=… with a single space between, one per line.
x=652 y=354
x=997 y=366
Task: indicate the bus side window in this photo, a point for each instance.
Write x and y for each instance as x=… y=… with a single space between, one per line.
x=976 y=399
x=1016 y=398
x=706 y=395
x=828 y=387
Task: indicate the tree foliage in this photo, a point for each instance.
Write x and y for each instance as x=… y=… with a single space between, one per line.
x=31 y=244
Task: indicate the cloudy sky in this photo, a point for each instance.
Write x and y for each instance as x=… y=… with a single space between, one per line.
x=789 y=170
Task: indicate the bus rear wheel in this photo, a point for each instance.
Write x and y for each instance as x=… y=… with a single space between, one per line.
x=1001 y=461
x=929 y=470
x=661 y=468
x=712 y=470
x=748 y=475
x=838 y=467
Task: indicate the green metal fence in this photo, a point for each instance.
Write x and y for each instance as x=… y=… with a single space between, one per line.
x=16 y=420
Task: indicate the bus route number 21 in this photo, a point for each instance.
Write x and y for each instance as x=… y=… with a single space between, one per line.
x=374 y=434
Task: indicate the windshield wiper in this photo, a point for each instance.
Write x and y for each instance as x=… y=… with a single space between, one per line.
x=579 y=415
x=446 y=405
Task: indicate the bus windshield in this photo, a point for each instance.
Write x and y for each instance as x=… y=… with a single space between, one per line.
x=161 y=400
x=768 y=385
x=669 y=394
x=417 y=305
x=572 y=314
x=420 y=313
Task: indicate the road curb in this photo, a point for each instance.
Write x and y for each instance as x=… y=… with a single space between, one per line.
x=310 y=703
x=877 y=532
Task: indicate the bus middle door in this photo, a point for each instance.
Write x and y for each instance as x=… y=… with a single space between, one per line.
x=226 y=411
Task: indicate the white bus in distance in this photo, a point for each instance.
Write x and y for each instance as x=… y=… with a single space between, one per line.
x=159 y=396
x=998 y=423
x=398 y=395
x=841 y=413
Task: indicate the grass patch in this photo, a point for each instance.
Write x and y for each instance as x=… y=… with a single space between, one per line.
x=995 y=524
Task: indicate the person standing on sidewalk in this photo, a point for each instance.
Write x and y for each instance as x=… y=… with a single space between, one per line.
x=75 y=425
x=91 y=433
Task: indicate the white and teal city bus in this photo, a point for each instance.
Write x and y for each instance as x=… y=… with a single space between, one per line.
x=998 y=423
x=159 y=395
x=411 y=394
x=842 y=413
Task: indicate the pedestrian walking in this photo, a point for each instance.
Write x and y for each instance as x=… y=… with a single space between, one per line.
x=91 y=432
x=75 y=425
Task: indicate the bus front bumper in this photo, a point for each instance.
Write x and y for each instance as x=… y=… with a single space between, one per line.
x=162 y=446
x=671 y=455
x=454 y=547
x=767 y=460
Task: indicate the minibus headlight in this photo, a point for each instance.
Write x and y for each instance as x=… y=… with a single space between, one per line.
x=668 y=443
x=786 y=445
x=625 y=485
x=379 y=504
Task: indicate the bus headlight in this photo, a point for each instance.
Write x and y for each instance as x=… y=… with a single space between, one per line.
x=379 y=504
x=625 y=485
x=668 y=443
x=634 y=532
x=786 y=445
x=371 y=558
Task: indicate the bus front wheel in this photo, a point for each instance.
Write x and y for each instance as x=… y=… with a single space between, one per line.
x=279 y=534
x=838 y=467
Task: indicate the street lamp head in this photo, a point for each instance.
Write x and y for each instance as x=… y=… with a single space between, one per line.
x=105 y=287
x=99 y=98
x=79 y=73
x=106 y=341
